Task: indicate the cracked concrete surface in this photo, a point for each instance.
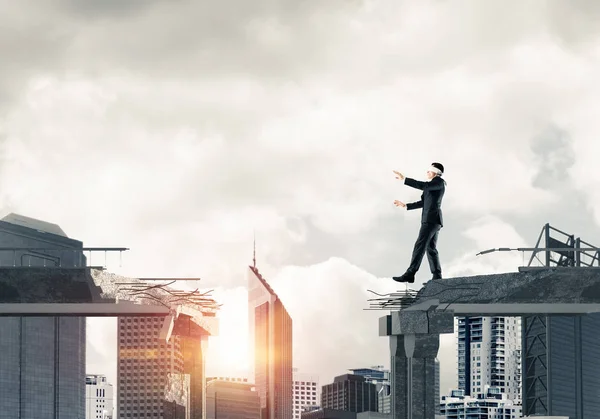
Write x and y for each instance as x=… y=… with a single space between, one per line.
x=44 y=291
x=43 y=285
x=566 y=286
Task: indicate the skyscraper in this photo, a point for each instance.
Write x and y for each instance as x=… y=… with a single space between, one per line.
x=561 y=353
x=381 y=378
x=158 y=378
x=146 y=366
x=98 y=397
x=489 y=355
x=42 y=359
x=350 y=393
x=271 y=347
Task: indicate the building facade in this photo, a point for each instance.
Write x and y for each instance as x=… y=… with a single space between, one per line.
x=271 y=347
x=98 y=398
x=231 y=399
x=229 y=379
x=489 y=354
x=568 y=353
x=42 y=361
x=561 y=353
x=350 y=393
x=306 y=392
x=490 y=404
x=328 y=414
x=381 y=378
x=156 y=378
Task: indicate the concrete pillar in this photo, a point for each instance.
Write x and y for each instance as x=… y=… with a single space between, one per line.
x=414 y=342
x=413 y=375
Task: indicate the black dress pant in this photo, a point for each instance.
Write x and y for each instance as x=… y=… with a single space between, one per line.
x=426 y=242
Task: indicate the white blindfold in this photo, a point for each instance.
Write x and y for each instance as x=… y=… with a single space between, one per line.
x=434 y=170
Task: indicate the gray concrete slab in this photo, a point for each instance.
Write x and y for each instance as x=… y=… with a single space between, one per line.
x=81 y=310
x=549 y=286
x=91 y=292
x=414 y=331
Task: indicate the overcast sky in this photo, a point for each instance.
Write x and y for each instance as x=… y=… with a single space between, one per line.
x=177 y=128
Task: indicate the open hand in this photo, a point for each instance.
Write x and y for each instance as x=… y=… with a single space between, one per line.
x=398 y=175
x=399 y=204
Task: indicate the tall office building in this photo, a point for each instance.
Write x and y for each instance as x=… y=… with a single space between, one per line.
x=489 y=355
x=156 y=378
x=306 y=392
x=271 y=347
x=561 y=354
x=42 y=361
x=231 y=399
x=145 y=365
x=98 y=398
x=381 y=378
x=350 y=393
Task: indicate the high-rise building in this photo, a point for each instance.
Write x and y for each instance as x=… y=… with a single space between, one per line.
x=306 y=392
x=490 y=404
x=271 y=347
x=156 y=378
x=98 y=398
x=381 y=378
x=561 y=353
x=350 y=393
x=145 y=367
x=42 y=361
x=231 y=399
x=489 y=355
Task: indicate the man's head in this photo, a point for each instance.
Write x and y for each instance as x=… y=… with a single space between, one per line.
x=436 y=169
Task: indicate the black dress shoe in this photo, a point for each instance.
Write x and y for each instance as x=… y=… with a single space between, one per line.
x=407 y=277
x=436 y=277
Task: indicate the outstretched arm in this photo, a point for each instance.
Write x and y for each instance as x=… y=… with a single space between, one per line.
x=417 y=184
x=433 y=185
x=409 y=206
x=414 y=205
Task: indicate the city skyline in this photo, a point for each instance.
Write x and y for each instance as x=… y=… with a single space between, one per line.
x=179 y=131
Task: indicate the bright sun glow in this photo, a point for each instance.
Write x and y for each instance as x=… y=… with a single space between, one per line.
x=228 y=353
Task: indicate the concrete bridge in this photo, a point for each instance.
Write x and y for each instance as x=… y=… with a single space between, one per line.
x=93 y=292
x=415 y=330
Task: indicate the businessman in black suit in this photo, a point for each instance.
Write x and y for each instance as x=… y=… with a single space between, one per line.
x=431 y=221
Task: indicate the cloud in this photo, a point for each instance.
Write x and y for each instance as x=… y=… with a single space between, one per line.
x=485 y=233
x=179 y=128
x=555 y=157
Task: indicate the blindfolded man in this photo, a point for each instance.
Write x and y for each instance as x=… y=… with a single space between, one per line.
x=431 y=221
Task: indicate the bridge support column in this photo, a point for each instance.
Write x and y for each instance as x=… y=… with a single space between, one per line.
x=414 y=342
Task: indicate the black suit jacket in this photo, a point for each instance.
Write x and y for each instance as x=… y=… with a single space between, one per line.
x=431 y=199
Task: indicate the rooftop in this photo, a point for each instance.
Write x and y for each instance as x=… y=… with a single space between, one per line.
x=39 y=225
x=263 y=281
